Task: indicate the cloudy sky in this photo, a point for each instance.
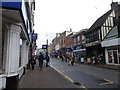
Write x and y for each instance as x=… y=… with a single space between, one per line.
x=53 y=16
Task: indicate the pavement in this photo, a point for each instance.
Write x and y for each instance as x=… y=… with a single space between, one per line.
x=108 y=66
x=114 y=67
x=46 y=78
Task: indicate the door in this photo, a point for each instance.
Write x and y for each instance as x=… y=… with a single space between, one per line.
x=113 y=57
x=110 y=57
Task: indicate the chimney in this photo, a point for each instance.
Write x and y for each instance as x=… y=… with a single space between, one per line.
x=114 y=6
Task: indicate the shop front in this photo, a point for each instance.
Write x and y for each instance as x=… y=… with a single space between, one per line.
x=93 y=49
x=79 y=51
x=14 y=43
x=111 y=44
x=112 y=56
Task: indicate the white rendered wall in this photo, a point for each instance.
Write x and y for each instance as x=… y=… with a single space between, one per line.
x=13 y=47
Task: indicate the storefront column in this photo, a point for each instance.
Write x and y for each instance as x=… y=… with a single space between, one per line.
x=23 y=52
x=106 y=56
x=27 y=53
x=12 y=63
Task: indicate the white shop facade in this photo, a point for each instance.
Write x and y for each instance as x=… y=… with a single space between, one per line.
x=14 y=43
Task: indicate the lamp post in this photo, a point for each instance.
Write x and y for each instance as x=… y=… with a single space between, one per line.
x=47 y=45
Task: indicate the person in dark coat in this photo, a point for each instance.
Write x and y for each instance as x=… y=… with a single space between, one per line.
x=40 y=59
x=33 y=63
x=47 y=59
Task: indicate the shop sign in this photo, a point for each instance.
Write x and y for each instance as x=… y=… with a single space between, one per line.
x=11 y=3
x=44 y=46
x=92 y=43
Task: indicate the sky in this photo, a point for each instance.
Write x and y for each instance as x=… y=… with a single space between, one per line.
x=56 y=16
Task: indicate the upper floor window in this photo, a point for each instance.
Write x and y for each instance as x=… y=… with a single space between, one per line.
x=74 y=41
x=78 y=38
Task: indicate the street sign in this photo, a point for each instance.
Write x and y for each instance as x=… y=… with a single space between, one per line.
x=44 y=47
x=34 y=36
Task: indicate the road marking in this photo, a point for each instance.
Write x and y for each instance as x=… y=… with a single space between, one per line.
x=82 y=86
x=63 y=74
x=108 y=82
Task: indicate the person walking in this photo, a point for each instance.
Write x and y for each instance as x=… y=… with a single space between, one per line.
x=72 y=60
x=33 y=62
x=82 y=59
x=47 y=61
x=40 y=59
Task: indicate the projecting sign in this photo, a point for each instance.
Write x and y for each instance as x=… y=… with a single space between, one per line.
x=44 y=47
x=34 y=36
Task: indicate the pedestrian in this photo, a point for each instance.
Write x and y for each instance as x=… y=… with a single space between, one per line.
x=79 y=58
x=62 y=56
x=72 y=60
x=28 y=65
x=48 y=61
x=40 y=59
x=32 y=62
x=82 y=59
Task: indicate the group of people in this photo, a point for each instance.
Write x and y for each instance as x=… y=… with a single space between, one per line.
x=70 y=59
x=40 y=59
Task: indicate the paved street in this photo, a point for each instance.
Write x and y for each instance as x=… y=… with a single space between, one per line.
x=89 y=76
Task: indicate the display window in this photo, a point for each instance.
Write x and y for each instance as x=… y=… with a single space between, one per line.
x=113 y=56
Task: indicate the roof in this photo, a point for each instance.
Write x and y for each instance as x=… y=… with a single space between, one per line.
x=80 y=32
x=112 y=34
x=99 y=22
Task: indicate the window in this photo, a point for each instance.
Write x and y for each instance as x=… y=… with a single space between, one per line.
x=111 y=21
x=78 y=38
x=74 y=41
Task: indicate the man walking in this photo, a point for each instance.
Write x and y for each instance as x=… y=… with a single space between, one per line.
x=47 y=59
x=40 y=59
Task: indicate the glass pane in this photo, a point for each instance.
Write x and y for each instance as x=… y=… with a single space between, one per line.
x=110 y=57
x=115 y=57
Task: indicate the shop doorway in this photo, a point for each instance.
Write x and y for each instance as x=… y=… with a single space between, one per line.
x=113 y=57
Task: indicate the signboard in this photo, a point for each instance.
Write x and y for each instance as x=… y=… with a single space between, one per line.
x=34 y=36
x=12 y=3
x=92 y=43
x=44 y=46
